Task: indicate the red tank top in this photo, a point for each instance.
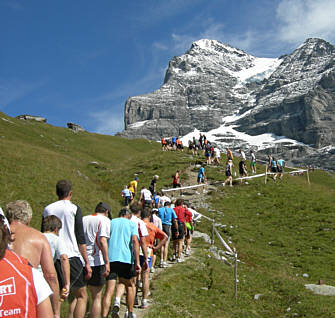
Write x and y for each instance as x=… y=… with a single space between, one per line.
x=17 y=290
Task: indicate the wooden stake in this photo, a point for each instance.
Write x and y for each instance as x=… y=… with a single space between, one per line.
x=235 y=273
x=266 y=174
x=308 y=177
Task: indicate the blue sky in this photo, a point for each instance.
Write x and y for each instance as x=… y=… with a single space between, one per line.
x=79 y=61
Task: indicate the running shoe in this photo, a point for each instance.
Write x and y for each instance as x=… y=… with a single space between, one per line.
x=144 y=304
x=152 y=269
x=116 y=310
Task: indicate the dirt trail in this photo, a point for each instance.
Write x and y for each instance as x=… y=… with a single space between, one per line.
x=195 y=196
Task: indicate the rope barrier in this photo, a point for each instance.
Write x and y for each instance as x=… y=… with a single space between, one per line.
x=182 y=188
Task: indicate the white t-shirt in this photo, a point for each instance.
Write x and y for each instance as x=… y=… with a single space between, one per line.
x=146 y=194
x=95 y=227
x=243 y=155
x=253 y=157
x=57 y=246
x=142 y=228
x=157 y=221
x=195 y=215
x=163 y=199
x=42 y=288
x=217 y=152
x=67 y=212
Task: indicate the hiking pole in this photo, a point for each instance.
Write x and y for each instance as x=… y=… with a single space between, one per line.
x=212 y=236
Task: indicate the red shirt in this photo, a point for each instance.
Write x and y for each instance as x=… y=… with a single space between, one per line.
x=188 y=216
x=17 y=287
x=180 y=212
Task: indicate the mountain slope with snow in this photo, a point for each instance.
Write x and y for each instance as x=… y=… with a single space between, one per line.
x=224 y=91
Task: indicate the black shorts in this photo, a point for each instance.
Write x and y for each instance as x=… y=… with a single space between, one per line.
x=281 y=169
x=181 y=232
x=123 y=270
x=273 y=169
x=228 y=173
x=176 y=185
x=97 y=279
x=167 y=229
x=77 y=275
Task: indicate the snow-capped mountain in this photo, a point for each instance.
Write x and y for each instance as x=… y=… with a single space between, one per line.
x=285 y=105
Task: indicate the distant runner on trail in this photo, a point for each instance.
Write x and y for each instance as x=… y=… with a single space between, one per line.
x=281 y=167
x=152 y=186
x=229 y=173
x=230 y=155
x=133 y=187
x=201 y=175
x=269 y=163
x=253 y=162
x=242 y=169
x=176 y=179
x=126 y=193
x=274 y=168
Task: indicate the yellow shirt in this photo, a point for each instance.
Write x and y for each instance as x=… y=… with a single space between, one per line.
x=132 y=186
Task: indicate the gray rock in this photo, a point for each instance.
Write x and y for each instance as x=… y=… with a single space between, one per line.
x=30 y=117
x=74 y=127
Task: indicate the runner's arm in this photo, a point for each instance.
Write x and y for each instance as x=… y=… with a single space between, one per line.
x=50 y=275
x=104 y=250
x=136 y=253
x=64 y=261
x=80 y=236
x=44 y=309
x=161 y=243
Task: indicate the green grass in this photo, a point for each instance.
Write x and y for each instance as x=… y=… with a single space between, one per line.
x=281 y=230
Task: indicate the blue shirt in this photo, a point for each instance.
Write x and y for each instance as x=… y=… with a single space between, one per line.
x=166 y=214
x=281 y=162
x=201 y=172
x=120 y=247
x=126 y=192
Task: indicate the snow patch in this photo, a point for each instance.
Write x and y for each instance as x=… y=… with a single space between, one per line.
x=138 y=124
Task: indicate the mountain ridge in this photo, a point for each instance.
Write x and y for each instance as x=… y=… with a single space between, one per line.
x=289 y=96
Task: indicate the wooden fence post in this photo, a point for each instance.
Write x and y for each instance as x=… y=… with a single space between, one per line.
x=235 y=273
x=212 y=236
x=308 y=176
x=266 y=174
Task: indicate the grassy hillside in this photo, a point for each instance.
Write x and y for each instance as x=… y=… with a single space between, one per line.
x=281 y=230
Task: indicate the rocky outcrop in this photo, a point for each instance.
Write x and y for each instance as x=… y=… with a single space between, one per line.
x=74 y=127
x=30 y=117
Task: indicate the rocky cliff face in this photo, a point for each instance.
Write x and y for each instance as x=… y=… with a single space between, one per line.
x=291 y=96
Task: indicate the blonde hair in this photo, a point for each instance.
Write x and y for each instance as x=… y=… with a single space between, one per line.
x=19 y=210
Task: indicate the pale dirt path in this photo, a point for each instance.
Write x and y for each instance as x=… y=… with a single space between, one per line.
x=197 y=198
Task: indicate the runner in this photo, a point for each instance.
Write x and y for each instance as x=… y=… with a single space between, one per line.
x=201 y=175
x=189 y=229
x=229 y=173
x=253 y=162
x=145 y=197
x=281 y=166
x=32 y=245
x=154 y=234
x=124 y=260
x=208 y=153
x=176 y=180
x=163 y=141
x=217 y=155
x=242 y=168
x=178 y=232
x=230 y=155
x=51 y=226
x=274 y=168
x=157 y=222
x=97 y=231
x=31 y=292
x=132 y=186
x=127 y=194
x=152 y=187
x=167 y=215
x=72 y=233
x=163 y=198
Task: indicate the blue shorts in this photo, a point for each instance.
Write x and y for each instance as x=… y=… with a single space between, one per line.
x=142 y=261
